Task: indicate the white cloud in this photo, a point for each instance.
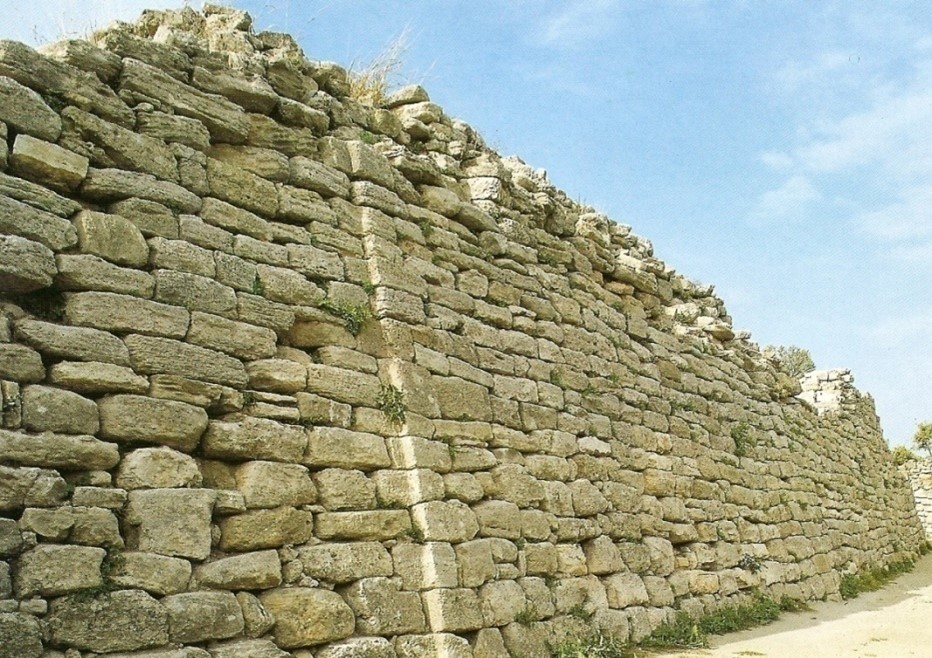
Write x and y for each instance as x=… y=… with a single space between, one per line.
x=786 y=203
x=777 y=160
x=914 y=255
x=578 y=23
x=797 y=74
x=902 y=329
x=907 y=219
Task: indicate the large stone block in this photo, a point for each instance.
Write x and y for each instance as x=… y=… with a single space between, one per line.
x=30 y=487
x=194 y=292
x=447 y=521
x=453 y=610
x=72 y=343
x=403 y=488
x=382 y=608
x=342 y=385
x=434 y=644
x=150 y=355
x=359 y=647
x=47 y=409
x=265 y=528
x=139 y=419
x=124 y=314
x=308 y=617
x=37 y=225
x=342 y=489
x=277 y=375
x=238 y=339
x=340 y=448
x=247 y=649
x=48 y=164
x=625 y=589
x=87 y=272
x=111 y=237
x=254 y=438
x=345 y=562
x=25 y=265
x=127 y=620
x=68 y=452
x=157 y=468
x=425 y=566
x=24 y=110
x=53 y=570
x=270 y=484
x=378 y=525
x=94 y=378
x=251 y=571
x=157 y=574
x=109 y=185
x=502 y=601
x=242 y=188
x=460 y=399
x=200 y=616
x=174 y=522
x=20 y=636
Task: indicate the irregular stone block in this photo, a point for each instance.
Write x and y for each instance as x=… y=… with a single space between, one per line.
x=37 y=225
x=75 y=343
x=308 y=617
x=21 y=487
x=25 y=265
x=111 y=237
x=194 y=292
x=174 y=522
x=242 y=188
x=277 y=375
x=315 y=263
x=126 y=620
x=252 y=571
x=383 y=609
x=87 y=272
x=20 y=636
x=502 y=601
x=360 y=647
x=453 y=610
x=340 y=448
x=270 y=484
x=58 y=451
x=268 y=133
x=425 y=566
x=37 y=196
x=48 y=164
x=25 y=111
x=446 y=521
x=48 y=409
x=174 y=128
x=98 y=497
x=379 y=525
x=157 y=574
x=625 y=589
x=157 y=468
x=53 y=570
x=199 y=616
x=241 y=340
x=475 y=562
x=318 y=177
x=124 y=314
x=235 y=220
x=115 y=185
x=85 y=56
x=265 y=528
x=94 y=378
x=151 y=356
x=499 y=518
x=265 y=163
x=345 y=562
x=19 y=363
x=247 y=649
x=150 y=217
x=259 y=621
x=254 y=438
x=342 y=489
x=135 y=419
x=225 y=121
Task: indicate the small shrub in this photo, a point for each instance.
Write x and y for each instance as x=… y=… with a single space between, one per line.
x=789 y=604
x=368 y=138
x=922 y=439
x=353 y=316
x=683 y=632
x=794 y=361
x=595 y=645
x=527 y=616
x=370 y=85
x=258 y=288
x=392 y=403
x=902 y=454
x=741 y=435
x=853 y=584
x=749 y=563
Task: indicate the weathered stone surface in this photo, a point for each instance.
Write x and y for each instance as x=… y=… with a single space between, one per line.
x=19 y=363
x=242 y=188
x=238 y=339
x=73 y=343
x=359 y=647
x=117 y=185
x=308 y=617
x=52 y=570
x=126 y=620
x=25 y=111
x=157 y=468
x=265 y=528
x=625 y=589
x=124 y=314
x=150 y=355
x=340 y=448
x=140 y=419
x=197 y=293
x=252 y=571
x=265 y=163
x=318 y=177
x=37 y=196
x=25 y=265
x=347 y=386
x=48 y=164
x=254 y=438
x=383 y=609
x=157 y=574
x=453 y=610
x=258 y=620
x=448 y=521
x=345 y=562
x=47 y=409
x=378 y=525
x=270 y=484
x=199 y=616
x=425 y=566
x=341 y=489
x=247 y=649
x=93 y=378
x=20 y=636
x=21 y=487
x=111 y=237
x=85 y=56
x=68 y=452
x=22 y=220
x=277 y=375
x=173 y=522
x=87 y=272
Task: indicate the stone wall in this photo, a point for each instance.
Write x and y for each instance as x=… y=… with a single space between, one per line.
x=285 y=374
x=919 y=474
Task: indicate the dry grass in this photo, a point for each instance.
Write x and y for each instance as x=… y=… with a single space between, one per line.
x=371 y=84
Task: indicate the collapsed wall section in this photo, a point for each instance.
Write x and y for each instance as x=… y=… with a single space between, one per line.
x=282 y=372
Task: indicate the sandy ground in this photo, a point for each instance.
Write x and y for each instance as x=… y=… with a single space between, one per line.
x=894 y=622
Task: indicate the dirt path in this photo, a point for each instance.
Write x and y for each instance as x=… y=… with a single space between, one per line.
x=894 y=622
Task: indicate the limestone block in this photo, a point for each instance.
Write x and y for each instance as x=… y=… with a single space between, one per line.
x=315 y=263
x=602 y=556
x=501 y=602
x=126 y=620
x=270 y=484
x=48 y=450
x=242 y=188
x=475 y=562
x=157 y=468
x=265 y=528
x=365 y=193
x=345 y=562
x=462 y=486
x=180 y=255
x=571 y=560
x=25 y=265
x=435 y=644
x=378 y=525
x=199 y=616
x=174 y=522
x=453 y=610
x=659 y=591
x=150 y=355
x=319 y=177
x=541 y=558
x=74 y=343
x=140 y=419
x=25 y=111
x=340 y=448
x=20 y=487
x=104 y=497
x=416 y=452
x=472 y=458
x=498 y=518
x=225 y=121
x=47 y=409
x=157 y=574
x=512 y=483
x=111 y=237
x=258 y=620
x=342 y=385
x=359 y=647
x=404 y=488
x=425 y=566
x=254 y=438
x=247 y=649
x=111 y=185
x=342 y=489
x=20 y=635
x=236 y=220
x=11 y=539
x=37 y=225
x=194 y=292
x=308 y=617
x=382 y=608
x=88 y=272
x=625 y=589
x=124 y=314
x=53 y=570
x=48 y=164
x=35 y=195
x=489 y=643
x=54 y=524
x=661 y=553
x=241 y=340
x=277 y=375
x=283 y=285
x=460 y=399
x=267 y=133
x=587 y=499
x=19 y=363
x=265 y=163
x=93 y=378
x=447 y=521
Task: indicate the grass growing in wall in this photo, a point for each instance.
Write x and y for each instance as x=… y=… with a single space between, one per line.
x=595 y=645
x=353 y=316
x=853 y=585
x=392 y=403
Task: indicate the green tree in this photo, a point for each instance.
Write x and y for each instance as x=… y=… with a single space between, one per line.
x=902 y=454
x=794 y=361
x=922 y=439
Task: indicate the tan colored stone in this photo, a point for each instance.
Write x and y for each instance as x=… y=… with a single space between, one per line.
x=345 y=562
x=342 y=489
x=20 y=636
x=199 y=616
x=47 y=409
x=135 y=419
x=259 y=621
x=340 y=448
x=404 y=488
x=124 y=314
x=53 y=570
x=21 y=487
x=246 y=649
x=308 y=617
x=157 y=468
x=277 y=375
x=69 y=452
x=379 y=525
x=94 y=378
x=318 y=177
x=236 y=338
x=382 y=608
x=498 y=518
x=87 y=272
x=126 y=620
x=151 y=356
x=270 y=484
x=448 y=521
x=113 y=185
x=359 y=647
x=173 y=522
x=342 y=385
x=25 y=265
x=265 y=528
x=453 y=610
x=111 y=237
x=425 y=566
x=254 y=438
x=48 y=164
x=25 y=111
x=157 y=574
x=36 y=225
x=77 y=343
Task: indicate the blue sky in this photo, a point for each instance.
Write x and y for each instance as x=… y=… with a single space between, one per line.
x=780 y=150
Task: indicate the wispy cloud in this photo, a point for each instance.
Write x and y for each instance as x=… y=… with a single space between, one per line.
x=786 y=203
x=578 y=23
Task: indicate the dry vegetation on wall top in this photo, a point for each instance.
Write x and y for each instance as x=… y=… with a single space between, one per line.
x=288 y=374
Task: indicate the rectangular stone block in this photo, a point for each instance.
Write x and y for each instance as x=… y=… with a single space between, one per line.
x=139 y=419
x=238 y=339
x=25 y=265
x=24 y=110
x=340 y=448
x=265 y=528
x=182 y=256
x=345 y=562
x=110 y=185
x=425 y=566
x=258 y=570
x=318 y=177
x=73 y=343
x=453 y=610
x=52 y=570
x=174 y=128
x=270 y=484
x=157 y=574
x=48 y=164
x=242 y=188
x=94 y=378
x=196 y=293
x=88 y=272
x=20 y=219
x=254 y=438
x=48 y=450
x=349 y=386
x=124 y=314
x=164 y=356
x=173 y=522
x=47 y=409
x=379 y=525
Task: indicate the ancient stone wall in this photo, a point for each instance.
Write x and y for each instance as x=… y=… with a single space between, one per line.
x=285 y=374
x=919 y=474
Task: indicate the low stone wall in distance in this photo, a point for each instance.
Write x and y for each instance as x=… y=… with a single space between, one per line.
x=284 y=374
